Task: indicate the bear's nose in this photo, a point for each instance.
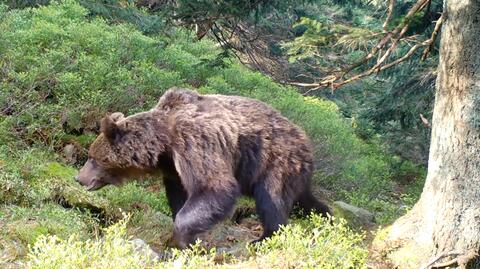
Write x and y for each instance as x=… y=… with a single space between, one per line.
x=77 y=179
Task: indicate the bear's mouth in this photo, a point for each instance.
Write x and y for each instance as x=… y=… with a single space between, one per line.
x=95 y=184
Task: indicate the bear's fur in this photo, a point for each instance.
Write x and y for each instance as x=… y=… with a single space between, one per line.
x=211 y=149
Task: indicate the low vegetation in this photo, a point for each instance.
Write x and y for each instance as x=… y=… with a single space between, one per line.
x=314 y=243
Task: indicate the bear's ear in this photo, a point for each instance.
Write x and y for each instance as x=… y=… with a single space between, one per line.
x=110 y=129
x=117 y=116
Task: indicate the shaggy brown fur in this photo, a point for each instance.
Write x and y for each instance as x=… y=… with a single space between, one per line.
x=211 y=149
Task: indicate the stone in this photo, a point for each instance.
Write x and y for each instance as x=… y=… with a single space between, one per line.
x=355 y=216
x=143 y=248
x=70 y=153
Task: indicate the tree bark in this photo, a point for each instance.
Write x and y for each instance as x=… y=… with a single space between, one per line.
x=444 y=225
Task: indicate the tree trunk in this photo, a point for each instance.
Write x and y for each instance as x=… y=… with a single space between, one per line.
x=444 y=226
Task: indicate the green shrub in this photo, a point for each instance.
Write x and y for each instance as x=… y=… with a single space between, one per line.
x=311 y=244
x=61 y=72
x=315 y=243
x=16 y=173
x=32 y=177
x=114 y=251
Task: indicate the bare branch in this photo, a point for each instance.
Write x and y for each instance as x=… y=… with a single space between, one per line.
x=445 y=264
x=383 y=50
x=393 y=46
x=432 y=39
x=300 y=84
x=378 y=68
x=391 y=6
x=424 y=121
x=399 y=29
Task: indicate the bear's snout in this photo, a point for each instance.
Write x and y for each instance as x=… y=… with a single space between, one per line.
x=79 y=180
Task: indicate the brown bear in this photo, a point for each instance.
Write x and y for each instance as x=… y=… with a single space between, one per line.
x=210 y=149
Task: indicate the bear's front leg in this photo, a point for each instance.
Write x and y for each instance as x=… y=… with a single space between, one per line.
x=176 y=194
x=202 y=211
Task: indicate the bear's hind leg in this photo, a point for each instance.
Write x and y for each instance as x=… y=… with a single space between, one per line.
x=201 y=211
x=271 y=209
x=176 y=194
x=309 y=204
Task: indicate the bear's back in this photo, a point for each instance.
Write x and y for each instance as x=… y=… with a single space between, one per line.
x=225 y=106
x=243 y=116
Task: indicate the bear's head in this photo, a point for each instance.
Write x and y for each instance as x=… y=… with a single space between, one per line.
x=126 y=147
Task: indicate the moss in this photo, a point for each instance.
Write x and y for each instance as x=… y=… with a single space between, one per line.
x=83 y=140
x=351 y=219
x=55 y=182
x=381 y=235
x=405 y=257
x=27 y=224
x=397 y=254
x=245 y=201
x=135 y=196
x=151 y=226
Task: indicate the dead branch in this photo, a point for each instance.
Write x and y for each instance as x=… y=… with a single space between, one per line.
x=432 y=39
x=383 y=50
x=381 y=44
x=393 y=46
x=331 y=80
x=383 y=67
x=300 y=84
x=424 y=121
x=391 y=6
x=378 y=68
x=445 y=264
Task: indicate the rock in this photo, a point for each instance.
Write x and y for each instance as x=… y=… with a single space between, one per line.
x=228 y=234
x=143 y=248
x=154 y=226
x=225 y=254
x=11 y=254
x=355 y=216
x=70 y=153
